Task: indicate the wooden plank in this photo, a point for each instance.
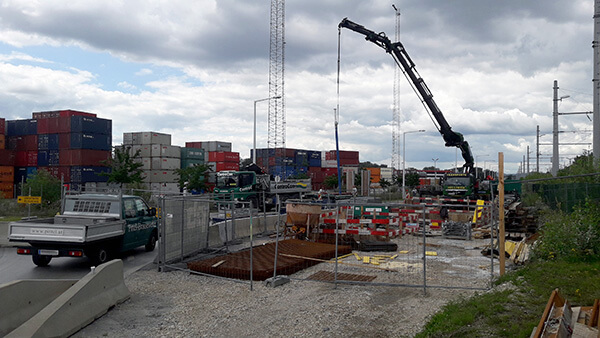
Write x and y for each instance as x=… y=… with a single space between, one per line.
x=555 y=299
x=218 y=263
x=344 y=263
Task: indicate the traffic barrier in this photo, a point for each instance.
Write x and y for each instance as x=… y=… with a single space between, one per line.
x=81 y=304
x=22 y=299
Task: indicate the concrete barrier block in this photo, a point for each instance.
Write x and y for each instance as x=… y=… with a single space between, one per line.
x=81 y=304
x=22 y=299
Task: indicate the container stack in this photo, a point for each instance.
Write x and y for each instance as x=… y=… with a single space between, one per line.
x=218 y=157
x=7 y=162
x=160 y=159
x=69 y=144
x=191 y=157
x=290 y=163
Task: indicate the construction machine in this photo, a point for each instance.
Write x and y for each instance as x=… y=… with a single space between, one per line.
x=403 y=60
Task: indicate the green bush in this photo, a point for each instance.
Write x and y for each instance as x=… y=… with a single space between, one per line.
x=574 y=236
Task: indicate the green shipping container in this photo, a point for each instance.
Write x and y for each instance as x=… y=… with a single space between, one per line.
x=192 y=154
x=186 y=162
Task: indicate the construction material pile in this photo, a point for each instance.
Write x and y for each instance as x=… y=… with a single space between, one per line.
x=293 y=255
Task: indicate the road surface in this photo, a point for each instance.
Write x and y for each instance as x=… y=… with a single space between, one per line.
x=14 y=267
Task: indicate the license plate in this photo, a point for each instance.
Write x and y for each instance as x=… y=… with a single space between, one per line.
x=48 y=252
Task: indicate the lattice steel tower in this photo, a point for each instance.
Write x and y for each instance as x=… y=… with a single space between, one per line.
x=276 y=138
x=396 y=115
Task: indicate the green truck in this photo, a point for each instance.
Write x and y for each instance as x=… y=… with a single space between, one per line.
x=250 y=187
x=98 y=226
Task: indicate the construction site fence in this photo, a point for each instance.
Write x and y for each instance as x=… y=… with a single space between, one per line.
x=373 y=244
x=565 y=196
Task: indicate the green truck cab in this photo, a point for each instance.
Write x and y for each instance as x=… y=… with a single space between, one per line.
x=98 y=226
x=250 y=187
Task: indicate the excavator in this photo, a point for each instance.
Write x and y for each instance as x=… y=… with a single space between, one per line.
x=451 y=138
x=398 y=52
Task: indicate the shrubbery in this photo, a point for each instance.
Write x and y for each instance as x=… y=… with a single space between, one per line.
x=574 y=236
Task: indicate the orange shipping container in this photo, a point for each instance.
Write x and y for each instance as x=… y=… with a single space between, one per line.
x=6 y=190
x=375 y=171
x=7 y=174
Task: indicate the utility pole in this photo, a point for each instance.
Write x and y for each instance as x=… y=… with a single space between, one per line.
x=537 y=150
x=554 y=170
x=528 y=159
x=396 y=115
x=596 y=83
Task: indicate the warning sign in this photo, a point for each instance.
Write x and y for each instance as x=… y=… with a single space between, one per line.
x=29 y=199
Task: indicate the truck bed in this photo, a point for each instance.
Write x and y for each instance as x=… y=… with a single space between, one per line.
x=65 y=229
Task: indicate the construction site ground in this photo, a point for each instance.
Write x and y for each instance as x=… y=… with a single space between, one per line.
x=180 y=304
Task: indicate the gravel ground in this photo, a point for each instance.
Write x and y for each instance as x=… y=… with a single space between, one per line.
x=180 y=304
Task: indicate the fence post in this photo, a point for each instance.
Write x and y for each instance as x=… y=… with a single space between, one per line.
x=424 y=251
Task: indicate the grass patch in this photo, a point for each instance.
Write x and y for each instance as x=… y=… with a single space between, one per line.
x=514 y=311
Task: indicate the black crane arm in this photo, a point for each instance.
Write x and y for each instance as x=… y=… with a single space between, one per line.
x=403 y=60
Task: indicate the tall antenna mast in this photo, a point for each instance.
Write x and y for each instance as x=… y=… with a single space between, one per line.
x=276 y=138
x=396 y=105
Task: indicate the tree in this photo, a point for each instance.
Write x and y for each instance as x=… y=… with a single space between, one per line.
x=43 y=184
x=125 y=168
x=384 y=183
x=331 y=182
x=193 y=178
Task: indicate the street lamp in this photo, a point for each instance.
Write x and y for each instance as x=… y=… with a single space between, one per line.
x=254 y=145
x=404 y=158
x=476 y=157
x=435 y=162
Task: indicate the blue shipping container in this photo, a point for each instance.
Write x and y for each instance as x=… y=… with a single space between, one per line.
x=86 y=124
x=48 y=141
x=48 y=158
x=80 y=174
x=23 y=173
x=284 y=172
x=21 y=127
x=91 y=141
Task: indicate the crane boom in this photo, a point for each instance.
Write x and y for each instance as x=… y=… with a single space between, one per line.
x=403 y=60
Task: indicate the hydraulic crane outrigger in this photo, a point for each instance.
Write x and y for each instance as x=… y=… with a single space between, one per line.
x=452 y=138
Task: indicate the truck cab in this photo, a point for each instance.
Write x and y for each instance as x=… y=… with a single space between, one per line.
x=458 y=185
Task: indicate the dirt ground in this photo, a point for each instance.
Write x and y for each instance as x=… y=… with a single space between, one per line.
x=395 y=304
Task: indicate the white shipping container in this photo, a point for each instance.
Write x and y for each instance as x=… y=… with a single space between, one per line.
x=216 y=146
x=163 y=150
x=150 y=137
x=386 y=173
x=145 y=150
x=165 y=163
x=328 y=164
x=161 y=176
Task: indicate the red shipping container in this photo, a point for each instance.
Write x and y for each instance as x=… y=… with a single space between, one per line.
x=26 y=158
x=7 y=157
x=223 y=156
x=329 y=171
x=2 y=126
x=285 y=152
x=87 y=157
x=221 y=166
x=6 y=190
x=64 y=141
x=197 y=145
x=2 y=141
x=54 y=125
x=59 y=113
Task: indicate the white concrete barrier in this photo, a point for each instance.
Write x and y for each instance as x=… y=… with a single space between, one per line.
x=240 y=228
x=22 y=299
x=81 y=304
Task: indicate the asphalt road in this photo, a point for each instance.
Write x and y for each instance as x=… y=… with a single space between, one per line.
x=14 y=267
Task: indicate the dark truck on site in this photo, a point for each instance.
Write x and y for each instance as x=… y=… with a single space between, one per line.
x=98 y=226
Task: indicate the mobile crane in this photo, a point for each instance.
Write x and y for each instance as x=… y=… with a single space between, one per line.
x=398 y=52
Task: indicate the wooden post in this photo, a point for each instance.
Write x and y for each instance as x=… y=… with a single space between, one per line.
x=501 y=213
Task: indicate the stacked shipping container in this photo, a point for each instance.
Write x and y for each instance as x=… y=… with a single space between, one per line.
x=218 y=156
x=287 y=162
x=61 y=142
x=7 y=162
x=159 y=158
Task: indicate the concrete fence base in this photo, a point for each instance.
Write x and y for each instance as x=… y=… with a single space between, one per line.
x=83 y=302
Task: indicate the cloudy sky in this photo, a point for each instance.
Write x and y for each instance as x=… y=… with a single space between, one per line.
x=194 y=69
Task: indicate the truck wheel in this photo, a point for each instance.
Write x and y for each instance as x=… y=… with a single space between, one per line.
x=151 y=242
x=41 y=260
x=100 y=256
